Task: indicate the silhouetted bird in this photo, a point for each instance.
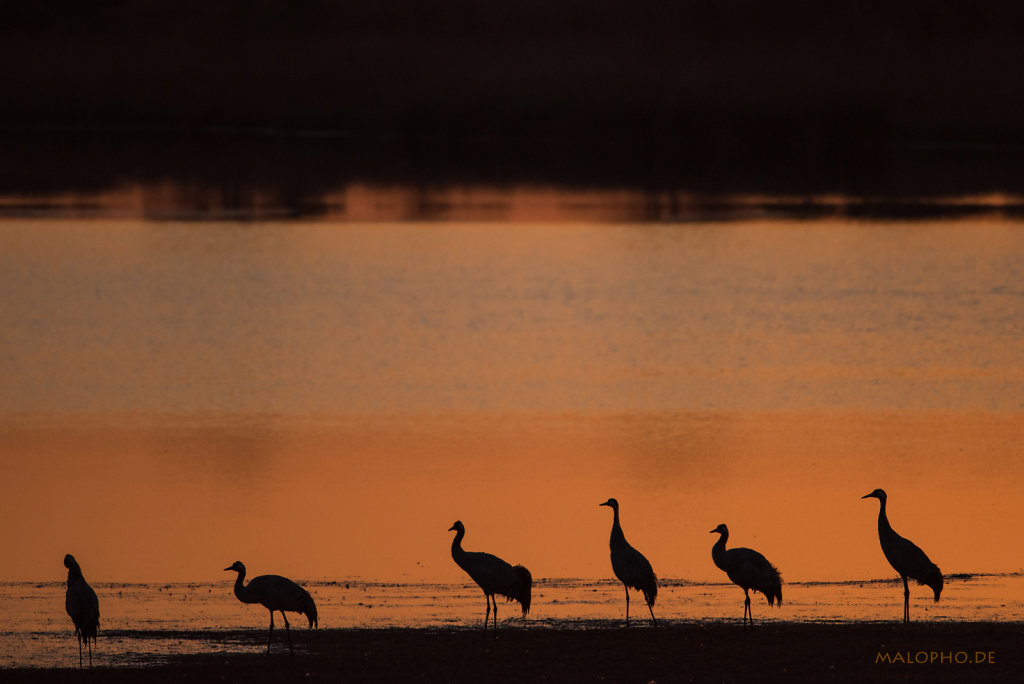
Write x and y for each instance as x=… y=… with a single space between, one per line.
x=274 y=592
x=904 y=556
x=630 y=566
x=748 y=570
x=82 y=605
x=493 y=575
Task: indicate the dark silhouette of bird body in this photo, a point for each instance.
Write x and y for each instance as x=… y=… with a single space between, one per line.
x=274 y=592
x=82 y=605
x=747 y=569
x=492 y=575
x=905 y=556
x=630 y=566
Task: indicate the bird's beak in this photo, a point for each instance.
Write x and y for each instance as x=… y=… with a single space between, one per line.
x=226 y=569
x=452 y=528
x=868 y=496
x=604 y=504
x=712 y=531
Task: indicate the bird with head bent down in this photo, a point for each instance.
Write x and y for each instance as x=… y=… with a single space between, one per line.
x=82 y=605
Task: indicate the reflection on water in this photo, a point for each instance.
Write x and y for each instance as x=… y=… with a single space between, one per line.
x=142 y=624
x=374 y=496
x=298 y=319
x=324 y=399
x=359 y=201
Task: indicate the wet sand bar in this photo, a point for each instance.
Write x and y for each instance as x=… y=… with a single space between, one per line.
x=978 y=652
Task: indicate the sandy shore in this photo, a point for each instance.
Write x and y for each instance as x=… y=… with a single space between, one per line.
x=681 y=652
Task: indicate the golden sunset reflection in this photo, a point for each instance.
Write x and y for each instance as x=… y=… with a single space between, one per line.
x=372 y=497
x=324 y=399
x=374 y=202
x=597 y=341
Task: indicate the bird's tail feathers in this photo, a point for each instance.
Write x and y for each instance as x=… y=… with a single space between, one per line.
x=524 y=587
x=87 y=626
x=933 y=578
x=650 y=590
x=88 y=631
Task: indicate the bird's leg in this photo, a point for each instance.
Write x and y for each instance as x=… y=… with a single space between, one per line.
x=495 y=599
x=271 y=633
x=79 y=650
x=487 y=616
x=89 y=644
x=906 y=601
x=288 y=632
x=627 y=604
x=746 y=609
x=652 y=613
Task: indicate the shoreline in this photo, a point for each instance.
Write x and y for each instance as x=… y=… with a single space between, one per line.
x=899 y=178
x=602 y=650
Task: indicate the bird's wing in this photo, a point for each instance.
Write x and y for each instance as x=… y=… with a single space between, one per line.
x=492 y=573
x=81 y=603
x=631 y=566
x=278 y=593
x=748 y=568
x=906 y=557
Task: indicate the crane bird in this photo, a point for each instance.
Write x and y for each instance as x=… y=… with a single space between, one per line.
x=82 y=605
x=630 y=566
x=493 y=575
x=274 y=592
x=747 y=569
x=904 y=556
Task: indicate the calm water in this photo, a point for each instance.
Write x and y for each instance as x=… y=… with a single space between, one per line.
x=323 y=399
x=143 y=624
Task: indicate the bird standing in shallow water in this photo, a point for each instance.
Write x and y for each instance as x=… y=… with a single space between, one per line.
x=630 y=566
x=904 y=556
x=82 y=605
x=748 y=569
x=274 y=592
x=493 y=575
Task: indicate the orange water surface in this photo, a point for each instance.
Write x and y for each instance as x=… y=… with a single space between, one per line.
x=324 y=399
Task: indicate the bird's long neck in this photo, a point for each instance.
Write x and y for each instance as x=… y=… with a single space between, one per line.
x=242 y=591
x=718 y=550
x=458 y=554
x=884 y=528
x=616 y=528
